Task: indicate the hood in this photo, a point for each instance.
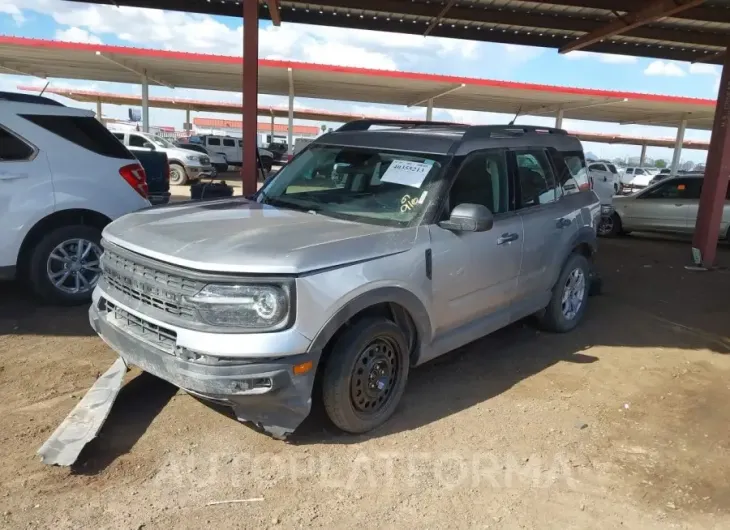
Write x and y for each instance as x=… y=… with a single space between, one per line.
x=242 y=236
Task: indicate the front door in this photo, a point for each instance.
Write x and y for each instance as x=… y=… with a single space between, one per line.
x=475 y=273
x=664 y=208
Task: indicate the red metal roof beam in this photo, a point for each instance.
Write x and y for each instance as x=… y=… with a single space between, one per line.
x=652 y=11
x=439 y=17
x=274 y=11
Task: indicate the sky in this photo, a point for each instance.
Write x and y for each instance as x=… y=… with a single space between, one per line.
x=147 y=28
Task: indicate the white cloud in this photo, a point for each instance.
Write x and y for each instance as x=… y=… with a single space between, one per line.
x=607 y=58
x=704 y=69
x=9 y=8
x=664 y=68
x=77 y=35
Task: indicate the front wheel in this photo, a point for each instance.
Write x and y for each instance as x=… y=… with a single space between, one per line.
x=365 y=375
x=64 y=265
x=178 y=175
x=610 y=226
x=570 y=296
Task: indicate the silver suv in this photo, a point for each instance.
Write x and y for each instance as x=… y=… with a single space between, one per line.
x=379 y=247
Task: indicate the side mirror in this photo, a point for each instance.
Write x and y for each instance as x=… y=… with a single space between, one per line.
x=468 y=217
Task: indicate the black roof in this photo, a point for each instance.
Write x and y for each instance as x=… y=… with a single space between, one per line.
x=28 y=98
x=445 y=137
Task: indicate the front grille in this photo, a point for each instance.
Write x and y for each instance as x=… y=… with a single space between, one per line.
x=151 y=287
x=160 y=337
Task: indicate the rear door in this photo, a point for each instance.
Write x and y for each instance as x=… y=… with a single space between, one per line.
x=602 y=181
x=691 y=196
x=26 y=189
x=547 y=221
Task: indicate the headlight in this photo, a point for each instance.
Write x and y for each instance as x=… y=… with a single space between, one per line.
x=193 y=158
x=254 y=306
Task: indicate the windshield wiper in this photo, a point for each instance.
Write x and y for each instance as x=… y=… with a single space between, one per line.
x=291 y=205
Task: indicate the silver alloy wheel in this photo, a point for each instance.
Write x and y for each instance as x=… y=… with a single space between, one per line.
x=177 y=175
x=573 y=293
x=605 y=225
x=73 y=266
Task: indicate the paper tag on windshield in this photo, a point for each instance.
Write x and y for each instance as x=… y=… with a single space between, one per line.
x=407 y=173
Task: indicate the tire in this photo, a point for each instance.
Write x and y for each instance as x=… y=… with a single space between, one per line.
x=42 y=266
x=178 y=175
x=555 y=318
x=611 y=227
x=340 y=379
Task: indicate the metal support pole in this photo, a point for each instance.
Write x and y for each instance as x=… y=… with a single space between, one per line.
x=678 y=147
x=249 y=165
x=559 y=119
x=642 y=159
x=714 y=185
x=98 y=110
x=145 y=104
x=290 y=120
x=429 y=110
x=272 y=128
x=188 y=123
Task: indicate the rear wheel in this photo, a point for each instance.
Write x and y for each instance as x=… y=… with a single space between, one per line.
x=178 y=176
x=64 y=265
x=365 y=375
x=570 y=296
x=610 y=226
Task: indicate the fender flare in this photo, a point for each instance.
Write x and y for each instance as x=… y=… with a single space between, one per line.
x=586 y=235
x=396 y=295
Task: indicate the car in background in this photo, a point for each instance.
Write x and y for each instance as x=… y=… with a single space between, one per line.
x=279 y=150
x=670 y=206
x=217 y=160
x=184 y=165
x=232 y=148
x=63 y=178
x=605 y=177
x=636 y=178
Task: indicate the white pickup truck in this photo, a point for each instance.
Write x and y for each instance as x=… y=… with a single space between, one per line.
x=185 y=165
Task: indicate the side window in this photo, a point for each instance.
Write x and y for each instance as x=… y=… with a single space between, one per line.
x=629 y=170
x=86 y=132
x=214 y=141
x=229 y=143
x=639 y=172
x=612 y=169
x=573 y=176
x=597 y=167
x=483 y=179
x=536 y=178
x=12 y=148
x=676 y=189
x=139 y=141
x=119 y=136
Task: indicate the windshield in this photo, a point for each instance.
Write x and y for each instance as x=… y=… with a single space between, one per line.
x=160 y=142
x=369 y=185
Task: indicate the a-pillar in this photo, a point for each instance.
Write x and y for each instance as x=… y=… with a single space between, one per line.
x=678 y=147
x=98 y=110
x=145 y=104
x=290 y=118
x=249 y=166
x=714 y=185
x=559 y=119
x=642 y=158
x=429 y=110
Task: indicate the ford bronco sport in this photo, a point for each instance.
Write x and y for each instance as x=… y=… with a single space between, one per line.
x=379 y=247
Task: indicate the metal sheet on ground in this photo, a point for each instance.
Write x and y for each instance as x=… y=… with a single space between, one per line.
x=83 y=423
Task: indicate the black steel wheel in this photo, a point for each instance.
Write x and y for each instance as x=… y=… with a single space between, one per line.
x=365 y=375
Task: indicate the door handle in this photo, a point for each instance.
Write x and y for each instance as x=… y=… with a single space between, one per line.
x=507 y=238
x=563 y=222
x=678 y=204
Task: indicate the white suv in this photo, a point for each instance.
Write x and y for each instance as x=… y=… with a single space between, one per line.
x=63 y=178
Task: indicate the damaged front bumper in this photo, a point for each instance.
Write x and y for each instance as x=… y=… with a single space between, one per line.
x=263 y=391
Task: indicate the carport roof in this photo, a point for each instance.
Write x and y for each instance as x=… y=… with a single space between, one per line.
x=45 y=58
x=687 y=30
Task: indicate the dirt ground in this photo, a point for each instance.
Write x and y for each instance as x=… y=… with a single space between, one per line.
x=623 y=423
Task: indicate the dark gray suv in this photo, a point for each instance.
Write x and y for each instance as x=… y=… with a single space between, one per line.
x=379 y=247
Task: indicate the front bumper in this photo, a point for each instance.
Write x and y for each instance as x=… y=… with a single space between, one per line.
x=196 y=172
x=262 y=391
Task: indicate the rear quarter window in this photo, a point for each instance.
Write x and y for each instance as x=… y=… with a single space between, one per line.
x=86 y=132
x=12 y=148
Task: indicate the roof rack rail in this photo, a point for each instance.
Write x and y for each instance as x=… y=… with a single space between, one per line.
x=502 y=131
x=28 y=98
x=364 y=125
